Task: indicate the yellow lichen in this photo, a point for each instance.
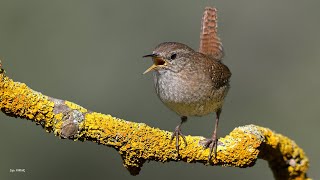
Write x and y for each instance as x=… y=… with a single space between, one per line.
x=22 y=101
x=75 y=106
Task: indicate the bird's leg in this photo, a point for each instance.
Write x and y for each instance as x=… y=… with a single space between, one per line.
x=177 y=133
x=213 y=142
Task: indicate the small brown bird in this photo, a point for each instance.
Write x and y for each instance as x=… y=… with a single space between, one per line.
x=192 y=83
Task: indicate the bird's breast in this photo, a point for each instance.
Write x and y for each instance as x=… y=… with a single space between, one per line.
x=188 y=95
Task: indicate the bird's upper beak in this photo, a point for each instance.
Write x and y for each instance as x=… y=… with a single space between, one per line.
x=158 y=62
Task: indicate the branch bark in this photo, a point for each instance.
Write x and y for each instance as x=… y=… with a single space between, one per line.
x=138 y=142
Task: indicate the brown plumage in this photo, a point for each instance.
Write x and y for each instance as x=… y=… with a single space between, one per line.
x=192 y=83
x=210 y=43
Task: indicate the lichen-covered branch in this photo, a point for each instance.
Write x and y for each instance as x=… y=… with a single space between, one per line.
x=138 y=142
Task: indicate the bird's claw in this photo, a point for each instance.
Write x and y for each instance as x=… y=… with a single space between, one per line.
x=212 y=144
x=176 y=134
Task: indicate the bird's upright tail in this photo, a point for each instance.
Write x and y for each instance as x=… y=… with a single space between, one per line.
x=210 y=43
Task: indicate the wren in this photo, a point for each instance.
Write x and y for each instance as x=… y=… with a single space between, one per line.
x=193 y=83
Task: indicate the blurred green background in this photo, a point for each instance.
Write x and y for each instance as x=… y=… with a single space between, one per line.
x=89 y=52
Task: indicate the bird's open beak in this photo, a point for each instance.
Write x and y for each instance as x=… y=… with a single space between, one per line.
x=158 y=62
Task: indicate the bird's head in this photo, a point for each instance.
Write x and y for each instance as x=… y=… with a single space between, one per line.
x=169 y=56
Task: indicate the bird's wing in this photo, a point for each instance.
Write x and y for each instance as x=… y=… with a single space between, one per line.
x=210 y=43
x=219 y=74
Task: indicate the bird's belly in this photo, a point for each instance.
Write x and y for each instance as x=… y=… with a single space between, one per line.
x=197 y=99
x=194 y=109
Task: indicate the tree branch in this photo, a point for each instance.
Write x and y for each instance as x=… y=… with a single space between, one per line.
x=137 y=142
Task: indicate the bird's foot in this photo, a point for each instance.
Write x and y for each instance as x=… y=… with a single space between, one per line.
x=212 y=144
x=176 y=134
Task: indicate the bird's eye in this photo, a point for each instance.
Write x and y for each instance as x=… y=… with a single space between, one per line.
x=173 y=56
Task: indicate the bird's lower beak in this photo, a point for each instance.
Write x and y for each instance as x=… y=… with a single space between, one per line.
x=158 y=62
